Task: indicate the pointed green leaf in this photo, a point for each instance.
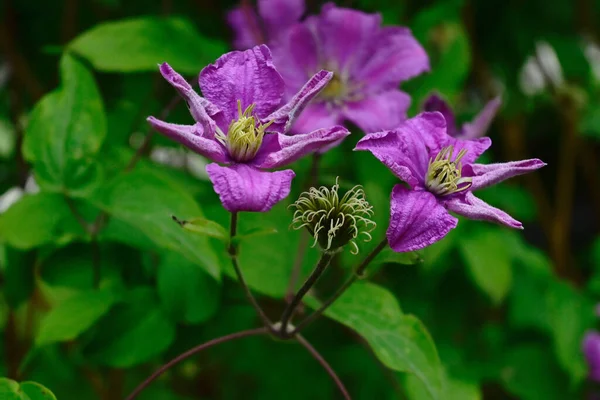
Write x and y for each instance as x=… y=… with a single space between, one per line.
x=66 y=129
x=137 y=45
x=204 y=227
x=11 y=390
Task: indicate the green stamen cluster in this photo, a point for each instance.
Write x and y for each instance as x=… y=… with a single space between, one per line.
x=444 y=176
x=334 y=222
x=244 y=136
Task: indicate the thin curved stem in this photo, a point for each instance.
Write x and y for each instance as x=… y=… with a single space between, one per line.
x=312 y=279
x=233 y=254
x=313 y=177
x=317 y=356
x=357 y=274
x=191 y=352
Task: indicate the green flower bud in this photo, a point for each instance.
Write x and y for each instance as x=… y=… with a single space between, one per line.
x=334 y=222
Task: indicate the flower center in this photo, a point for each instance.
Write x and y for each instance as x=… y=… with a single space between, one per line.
x=444 y=175
x=334 y=222
x=244 y=136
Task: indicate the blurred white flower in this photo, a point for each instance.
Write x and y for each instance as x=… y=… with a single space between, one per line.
x=592 y=53
x=541 y=70
x=10 y=197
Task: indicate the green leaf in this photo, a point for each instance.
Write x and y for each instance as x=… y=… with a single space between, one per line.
x=138 y=45
x=66 y=129
x=11 y=390
x=400 y=341
x=133 y=332
x=146 y=201
x=454 y=389
x=530 y=373
x=486 y=256
x=187 y=293
x=253 y=233
x=39 y=219
x=204 y=227
x=73 y=316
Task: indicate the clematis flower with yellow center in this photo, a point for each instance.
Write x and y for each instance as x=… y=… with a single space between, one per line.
x=441 y=174
x=241 y=122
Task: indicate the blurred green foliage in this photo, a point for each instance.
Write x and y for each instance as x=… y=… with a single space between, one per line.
x=100 y=286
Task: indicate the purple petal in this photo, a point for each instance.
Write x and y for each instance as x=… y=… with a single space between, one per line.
x=278 y=15
x=417 y=220
x=245 y=188
x=346 y=35
x=249 y=76
x=395 y=56
x=317 y=116
x=192 y=137
x=485 y=175
x=200 y=108
x=246 y=27
x=381 y=111
x=479 y=126
x=474 y=147
x=472 y=207
x=295 y=55
x=287 y=149
x=406 y=149
x=591 y=350
x=436 y=103
x=286 y=115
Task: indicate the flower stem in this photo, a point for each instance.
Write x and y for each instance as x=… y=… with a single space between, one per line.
x=233 y=254
x=191 y=352
x=317 y=356
x=312 y=180
x=312 y=279
x=357 y=274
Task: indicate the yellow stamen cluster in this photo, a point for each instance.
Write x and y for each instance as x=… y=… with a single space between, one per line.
x=334 y=222
x=444 y=174
x=244 y=136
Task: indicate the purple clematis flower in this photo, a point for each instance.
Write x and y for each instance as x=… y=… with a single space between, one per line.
x=473 y=130
x=368 y=61
x=273 y=18
x=241 y=123
x=591 y=350
x=442 y=174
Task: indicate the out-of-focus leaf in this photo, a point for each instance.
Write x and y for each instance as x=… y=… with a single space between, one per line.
x=147 y=201
x=204 y=227
x=530 y=373
x=138 y=45
x=132 y=332
x=513 y=199
x=454 y=389
x=66 y=129
x=489 y=261
x=11 y=390
x=18 y=273
x=185 y=290
x=400 y=341
x=39 y=219
x=73 y=316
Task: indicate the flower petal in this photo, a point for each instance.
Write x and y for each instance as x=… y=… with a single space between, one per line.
x=479 y=126
x=345 y=35
x=246 y=27
x=317 y=116
x=287 y=149
x=200 y=108
x=286 y=115
x=278 y=15
x=485 y=175
x=591 y=350
x=472 y=207
x=192 y=137
x=296 y=56
x=381 y=111
x=248 y=76
x=406 y=149
x=417 y=220
x=395 y=56
x=435 y=103
x=474 y=147
x=242 y=187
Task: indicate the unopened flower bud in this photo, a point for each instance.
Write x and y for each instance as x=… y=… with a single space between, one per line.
x=333 y=221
